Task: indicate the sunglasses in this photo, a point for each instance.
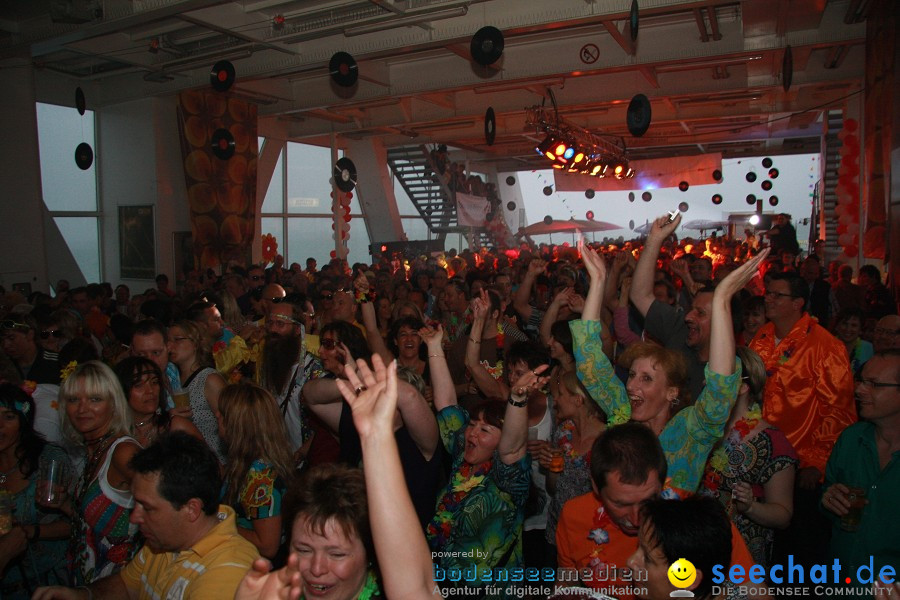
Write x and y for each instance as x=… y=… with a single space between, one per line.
x=328 y=344
x=57 y=333
x=9 y=324
x=328 y=296
x=278 y=300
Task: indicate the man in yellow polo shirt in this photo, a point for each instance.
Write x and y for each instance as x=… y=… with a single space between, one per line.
x=193 y=550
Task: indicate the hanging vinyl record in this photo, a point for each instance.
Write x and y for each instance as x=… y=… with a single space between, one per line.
x=343 y=69
x=222 y=75
x=633 y=20
x=490 y=126
x=84 y=156
x=79 y=101
x=787 y=69
x=638 y=115
x=222 y=144
x=487 y=45
x=345 y=174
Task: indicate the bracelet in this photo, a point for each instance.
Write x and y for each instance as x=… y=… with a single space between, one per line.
x=363 y=297
x=474 y=341
x=88 y=590
x=517 y=403
x=436 y=356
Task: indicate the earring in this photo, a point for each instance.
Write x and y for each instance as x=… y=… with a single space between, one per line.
x=674 y=402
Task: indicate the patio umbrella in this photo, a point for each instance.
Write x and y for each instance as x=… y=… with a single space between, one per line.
x=643 y=229
x=570 y=226
x=704 y=225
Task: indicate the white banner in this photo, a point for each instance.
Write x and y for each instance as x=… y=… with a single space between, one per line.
x=471 y=210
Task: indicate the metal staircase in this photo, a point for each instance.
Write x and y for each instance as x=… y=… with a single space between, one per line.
x=832 y=157
x=414 y=168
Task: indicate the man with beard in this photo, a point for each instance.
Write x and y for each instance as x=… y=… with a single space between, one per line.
x=285 y=365
x=667 y=324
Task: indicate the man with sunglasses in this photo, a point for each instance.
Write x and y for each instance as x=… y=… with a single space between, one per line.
x=809 y=396
x=867 y=457
x=18 y=340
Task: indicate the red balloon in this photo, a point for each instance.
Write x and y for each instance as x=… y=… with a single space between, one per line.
x=851 y=251
x=851 y=125
x=350 y=195
x=845 y=239
x=333 y=254
x=851 y=140
x=842 y=228
x=347 y=218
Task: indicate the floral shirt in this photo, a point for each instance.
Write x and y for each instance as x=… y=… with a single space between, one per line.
x=689 y=436
x=261 y=495
x=479 y=517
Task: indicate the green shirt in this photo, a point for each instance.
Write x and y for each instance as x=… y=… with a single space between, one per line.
x=854 y=462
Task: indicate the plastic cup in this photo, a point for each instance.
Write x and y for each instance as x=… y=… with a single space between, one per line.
x=53 y=481
x=857 y=497
x=557 y=462
x=181 y=399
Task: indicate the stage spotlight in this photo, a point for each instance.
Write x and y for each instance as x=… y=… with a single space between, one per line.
x=620 y=170
x=579 y=158
x=545 y=148
x=630 y=173
x=754 y=219
x=599 y=169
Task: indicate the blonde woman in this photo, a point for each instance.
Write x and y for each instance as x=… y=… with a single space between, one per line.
x=259 y=464
x=96 y=416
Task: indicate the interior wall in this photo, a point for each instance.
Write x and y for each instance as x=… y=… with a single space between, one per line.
x=21 y=225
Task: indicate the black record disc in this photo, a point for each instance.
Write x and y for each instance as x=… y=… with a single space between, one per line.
x=222 y=144
x=490 y=126
x=84 y=156
x=222 y=75
x=633 y=20
x=345 y=174
x=487 y=45
x=787 y=69
x=589 y=193
x=638 y=116
x=79 y=101
x=548 y=219
x=343 y=69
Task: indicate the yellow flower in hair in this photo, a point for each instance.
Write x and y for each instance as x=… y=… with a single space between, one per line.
x=68 y=370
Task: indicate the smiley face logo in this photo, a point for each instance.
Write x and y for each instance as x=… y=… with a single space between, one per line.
x=682 y=573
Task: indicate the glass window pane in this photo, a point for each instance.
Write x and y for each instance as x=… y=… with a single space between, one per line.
x=65 y=186
x=308 y=180
x=274 y=200
x=311 y=237
x=404 y=205
x=82 y=237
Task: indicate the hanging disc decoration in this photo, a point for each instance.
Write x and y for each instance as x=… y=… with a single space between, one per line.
x=773 y=173
x=510 y=205
x=84 y=156
x=646 y=196
x=773 y=200
x=589 y=193
x=490 y=126
x=717 y=199
x=638 y=116
x=751 y=199
x=787 y=69
x=631 y=224
x=510 y=180
x=683 y=206
x=548 y=219
x=487 y=45
x=751 y=177
x=634 y=20
x=343 y=69
x=683 y=186
x=79 y=101
x=222 y=76
x=717 y=175
x=548 y=190
x=631 y=196
x=589 y=215
x=222 y=144
x=345 y=174
x=766 y=162
x=766 y=185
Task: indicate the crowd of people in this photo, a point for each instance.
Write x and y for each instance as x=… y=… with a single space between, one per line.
x=428 y=426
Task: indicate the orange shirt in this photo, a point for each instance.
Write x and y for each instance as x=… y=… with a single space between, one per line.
x=575 y=550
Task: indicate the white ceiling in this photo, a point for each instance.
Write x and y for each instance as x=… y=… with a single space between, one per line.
x=712 y=68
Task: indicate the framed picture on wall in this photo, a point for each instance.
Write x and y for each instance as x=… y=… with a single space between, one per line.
x=137 y=242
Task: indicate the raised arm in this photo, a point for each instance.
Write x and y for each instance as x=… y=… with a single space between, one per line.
x=373 y=336
x=490 y=387
x=514 y=434
x=596 y=268
x=721 y=336
x=561 y=299
x=441 y=381
x=523 y=293
x=405 y=560
x=642 y=285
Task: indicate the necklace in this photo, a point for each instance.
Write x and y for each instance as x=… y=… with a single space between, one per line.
x=5 y=474
x=102 y=443
x=144 y=422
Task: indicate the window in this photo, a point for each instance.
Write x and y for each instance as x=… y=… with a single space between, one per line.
x=70 y=194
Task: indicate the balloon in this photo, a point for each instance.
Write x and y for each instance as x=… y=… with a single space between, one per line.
x=845 y=239
x=851 y=125
x=851 y=251
x=333 y=254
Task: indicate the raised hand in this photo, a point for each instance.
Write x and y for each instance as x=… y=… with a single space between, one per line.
x=480 y=306
x=537 y=266
x=372 y=396
x=432 y=335
x=737 y=279
x=593 y=262
x=530 y=381
x=576 y=302
x=662 y=228
x=261 y=583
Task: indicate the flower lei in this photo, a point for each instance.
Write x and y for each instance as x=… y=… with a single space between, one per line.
x=567 y=435
x=68 y=370
x=600 y=536
x=496 y=371
x=464 y=480
x=718 y=467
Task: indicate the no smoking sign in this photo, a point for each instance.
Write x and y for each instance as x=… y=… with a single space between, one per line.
x=589 y=54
